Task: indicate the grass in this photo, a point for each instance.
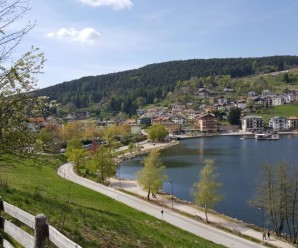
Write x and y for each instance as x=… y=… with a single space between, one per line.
x=87 y=217
x=285 y=110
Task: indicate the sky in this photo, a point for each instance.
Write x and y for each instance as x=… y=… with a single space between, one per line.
x=94 y=37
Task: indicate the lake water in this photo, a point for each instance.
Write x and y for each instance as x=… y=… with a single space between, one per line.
x=239 y=165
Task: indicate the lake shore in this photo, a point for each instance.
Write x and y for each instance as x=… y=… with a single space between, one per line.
x=167 y=202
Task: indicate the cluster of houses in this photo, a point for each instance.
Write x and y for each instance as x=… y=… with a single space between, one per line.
x=177 y=122
x=183 y=118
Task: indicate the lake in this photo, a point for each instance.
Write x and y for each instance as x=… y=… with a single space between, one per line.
x=239 y=165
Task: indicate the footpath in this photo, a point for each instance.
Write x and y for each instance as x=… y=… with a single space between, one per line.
x=170 y=203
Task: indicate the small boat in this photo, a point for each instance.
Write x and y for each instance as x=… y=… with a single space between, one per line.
x=267 y=136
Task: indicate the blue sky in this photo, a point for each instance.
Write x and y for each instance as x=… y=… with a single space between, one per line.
x=94 y=37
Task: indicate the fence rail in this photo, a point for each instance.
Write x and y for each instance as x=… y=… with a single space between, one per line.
x=42 y=230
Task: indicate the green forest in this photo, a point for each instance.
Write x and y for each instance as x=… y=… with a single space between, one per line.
x=129 y=90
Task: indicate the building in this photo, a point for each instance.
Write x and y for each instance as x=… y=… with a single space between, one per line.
x=277 y=101
x=179 y=119
x=279 y=123
x=293 y=122
x=252 y=123
x=172 y=127
x=36 y=123
x=161 y=120
x=206 y=122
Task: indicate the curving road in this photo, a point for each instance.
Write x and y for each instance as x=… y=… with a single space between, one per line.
x=187 y=224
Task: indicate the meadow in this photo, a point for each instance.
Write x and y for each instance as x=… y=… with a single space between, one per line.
x=86 y=217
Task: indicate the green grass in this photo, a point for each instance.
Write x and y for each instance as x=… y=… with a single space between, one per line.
x=285 y=110
x=88 y=218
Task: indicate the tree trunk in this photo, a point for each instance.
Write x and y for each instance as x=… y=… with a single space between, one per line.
x=206 y=214
x=148 y=196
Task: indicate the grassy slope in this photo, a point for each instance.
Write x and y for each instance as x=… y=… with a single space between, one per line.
x=87 y=217
x=285 y=110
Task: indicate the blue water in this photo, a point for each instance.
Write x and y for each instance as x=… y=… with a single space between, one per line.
x=239 y=165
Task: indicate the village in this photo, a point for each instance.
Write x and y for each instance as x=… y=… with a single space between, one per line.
x=182 y=119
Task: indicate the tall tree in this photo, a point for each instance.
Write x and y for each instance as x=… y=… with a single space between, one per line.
x=16 y=81
x=152 y=175
x=75 y=153
x=234 y=116
x=277 y=194
x=206 y=190
x=157 y=132
x=102 y=163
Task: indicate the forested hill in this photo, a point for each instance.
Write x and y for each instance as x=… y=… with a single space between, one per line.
x=119 y=91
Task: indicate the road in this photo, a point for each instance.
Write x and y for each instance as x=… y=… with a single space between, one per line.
x=185 y=223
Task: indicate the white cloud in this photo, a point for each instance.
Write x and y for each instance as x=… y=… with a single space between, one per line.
x=87 y=35
x=115 y=4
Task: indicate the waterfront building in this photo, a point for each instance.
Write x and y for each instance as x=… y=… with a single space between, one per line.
x=206 y=122
x=293 y=122
x=279 y=123
x=251 y=123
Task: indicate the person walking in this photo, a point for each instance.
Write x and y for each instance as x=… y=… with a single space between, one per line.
x=268 y=235
x=264 y=235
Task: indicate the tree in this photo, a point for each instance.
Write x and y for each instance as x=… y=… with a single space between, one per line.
x=234 y=116
x=16 y=81
x=75 y=152
x=71 y=128
x=277 y=194
x=206 y=194
x=152 y=175
x=102 y=163
x=157 y=132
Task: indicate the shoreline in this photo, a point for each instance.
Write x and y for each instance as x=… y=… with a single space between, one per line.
x=170 y=203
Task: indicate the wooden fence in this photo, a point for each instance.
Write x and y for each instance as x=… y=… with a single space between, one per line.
x=42 y=230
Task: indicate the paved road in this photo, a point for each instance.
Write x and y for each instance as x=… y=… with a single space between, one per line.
x=192 y=226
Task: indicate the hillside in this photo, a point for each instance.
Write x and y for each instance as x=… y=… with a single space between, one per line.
x=126 y=91
x=88 y=218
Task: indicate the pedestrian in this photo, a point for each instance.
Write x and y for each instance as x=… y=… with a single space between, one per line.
x=264 y=235
x=161 y=214
x=268 y=235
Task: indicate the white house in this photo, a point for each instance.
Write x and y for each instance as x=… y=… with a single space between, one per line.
x=179 y=119
x=277 y=100
x=240 y=104
x=278 y=123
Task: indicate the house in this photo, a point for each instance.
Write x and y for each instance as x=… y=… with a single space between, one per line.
x=241 y=104
x=206 y=122
x=140 y=112
x=203 y=92
x=292 y=122
x=251 y=123
x=130 y=122
x=222 y=100
x=228 y=89
x=172 y=127
x=136 y=129
x=36 y=123
x=279 y=123
x=179 y=119
x=161 y=119
x=178 y=108
x=277 y=100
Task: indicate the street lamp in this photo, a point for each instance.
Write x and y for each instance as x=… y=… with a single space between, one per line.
x=263 y=217
x=172 y=197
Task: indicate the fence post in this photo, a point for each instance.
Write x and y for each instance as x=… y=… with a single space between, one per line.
x=1 y=219
x=41 y=231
